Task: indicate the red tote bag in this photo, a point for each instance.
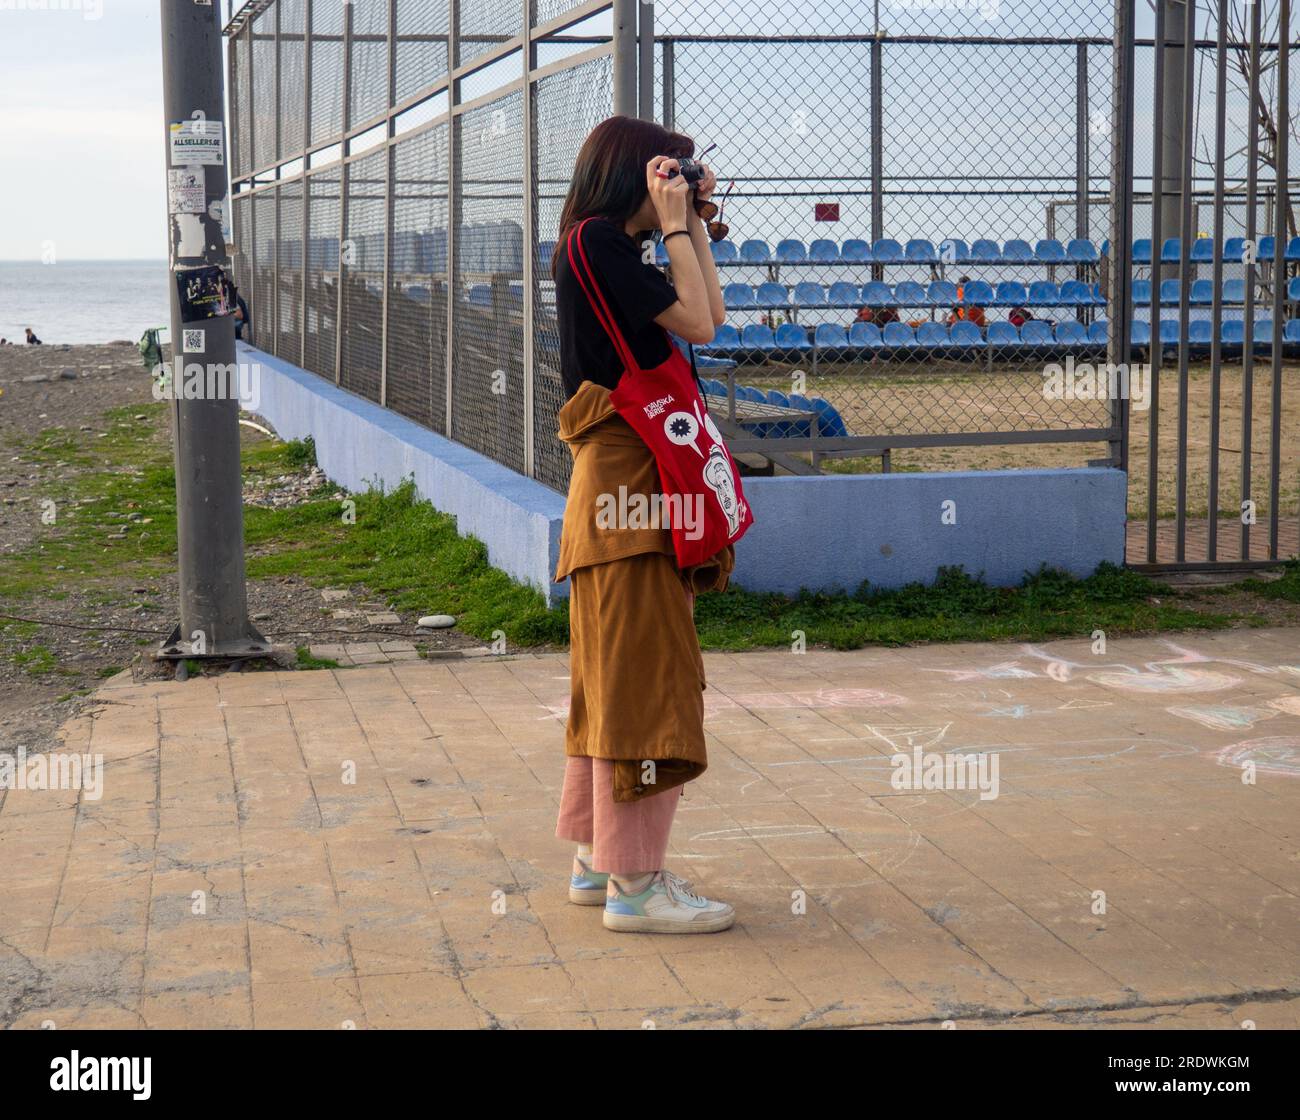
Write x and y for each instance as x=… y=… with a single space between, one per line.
x=701 y=485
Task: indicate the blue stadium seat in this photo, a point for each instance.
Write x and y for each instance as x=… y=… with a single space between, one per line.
x=887 y=251
x=1171 y=252
x=1003 y=334
x=843 y=294
x=1050 y=251
x=738 y=297
x=954 y=250
x=419 y=292
x=1097 y=298
x=866 y=335
x=898 y=335
x=943 y=293
x=830 y=423
x=1037 y=333
x=1291 y=332
x=1234 y=291
x=756 y=336
x=1142 y=250
x=1076 y=293
x=1170 y=293
x=855 y=251
x=977 y=293
x=1081 y=251
x=876 y=293
x=775 y=396
x=545 y=250
x=1233 y=332
x=791 y=251
x=726 y=337
x=808 y=294
x=1263 y=332
x=824 y=251
x=1142 y=292
x=713 y=387
x=1200 y=332
x=1170 y=332
x=984 y=251
x=1011 y=293
x=755 y=251
x=1043 y=293
x=1098 y=333
x=772 y=294
x=1267 y=248
x=1292 y=254
x=1140 y=332
x=1202 y=294
x=798 y=400
x=933 y=336
x=1233 y=249
x=920 y=251
x=1292 y=289
x=1017 y=252
x=480 y=295
x=830 y=336
x=1203 y=250
x=1071 y=333
x=749 y=393
x=966 y=334
x=791 y=336
x=724 y=252
x=908 y=293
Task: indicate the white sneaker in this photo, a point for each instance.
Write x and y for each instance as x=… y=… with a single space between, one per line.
x=664 y=906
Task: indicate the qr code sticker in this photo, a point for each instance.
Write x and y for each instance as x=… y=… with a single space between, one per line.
x=192 y=342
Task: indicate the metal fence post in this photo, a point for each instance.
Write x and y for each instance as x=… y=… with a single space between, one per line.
x=646 y=59
x=306 y=186
x=530 y=236
x=388 y=204
x=1248 y=312
x=1185 y=235
x=1282 y=209
x=453 y=197
x=877 y=140
x=343 y=190
x=670 y=88
x=1120 y=287
x=1082 y=228
x=1216 y=312
x=625 y=84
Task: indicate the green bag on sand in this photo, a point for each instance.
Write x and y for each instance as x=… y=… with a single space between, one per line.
x=150 y=348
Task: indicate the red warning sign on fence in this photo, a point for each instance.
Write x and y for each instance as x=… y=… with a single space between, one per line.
x=826 y=211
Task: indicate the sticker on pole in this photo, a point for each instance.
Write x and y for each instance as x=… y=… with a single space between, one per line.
x=197 y=141
x=185 y=190
x=205 y=293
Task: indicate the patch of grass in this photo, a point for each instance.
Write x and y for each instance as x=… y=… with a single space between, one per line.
x=300 y=452
x=957 y=607
x=307 y=661
x=1286 y=588
x=37 y=660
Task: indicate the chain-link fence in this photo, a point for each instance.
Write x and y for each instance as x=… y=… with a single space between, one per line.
x=918 y=196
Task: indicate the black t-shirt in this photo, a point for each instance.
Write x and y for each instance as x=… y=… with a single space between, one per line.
x=635 y=291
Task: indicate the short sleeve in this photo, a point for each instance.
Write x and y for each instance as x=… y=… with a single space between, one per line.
x=640 y=292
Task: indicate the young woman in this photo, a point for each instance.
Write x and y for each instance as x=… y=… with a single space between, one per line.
x=635 y=732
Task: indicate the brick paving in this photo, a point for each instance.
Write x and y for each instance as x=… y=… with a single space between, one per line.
x=1196 y=540
x=374 y=847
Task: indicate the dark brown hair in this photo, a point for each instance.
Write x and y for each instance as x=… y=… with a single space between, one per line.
x=609 y=174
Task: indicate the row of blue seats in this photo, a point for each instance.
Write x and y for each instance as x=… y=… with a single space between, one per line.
x=888 y=251
x=1201 y=293
x=1035 y=334
x=827 y=418
x=908 y=293
x=1234 y=250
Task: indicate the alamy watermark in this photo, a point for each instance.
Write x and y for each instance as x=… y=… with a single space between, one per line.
x=55 y=770
x=626 y=510
x=208 y=381
x=930 y=770
x=89 y=9
x=987 y=10
x=1105 y=381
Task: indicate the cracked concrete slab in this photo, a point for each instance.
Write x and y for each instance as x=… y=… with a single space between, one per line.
x=375 y=847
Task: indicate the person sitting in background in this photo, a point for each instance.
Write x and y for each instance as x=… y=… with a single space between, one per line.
x=1019 y=316
x=241 y=313
x=32 y=340
x=877 y=315
x=971 y=314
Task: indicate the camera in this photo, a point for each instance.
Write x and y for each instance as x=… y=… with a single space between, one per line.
x=692 y=171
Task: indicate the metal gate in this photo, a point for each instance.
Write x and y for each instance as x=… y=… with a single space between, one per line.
x=1210 y=317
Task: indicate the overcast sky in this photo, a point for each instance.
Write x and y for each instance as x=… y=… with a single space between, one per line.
x=81 y=158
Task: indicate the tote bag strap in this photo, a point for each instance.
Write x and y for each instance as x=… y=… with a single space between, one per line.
x=581 y=268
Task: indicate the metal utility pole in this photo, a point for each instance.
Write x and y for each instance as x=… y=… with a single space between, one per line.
x=1174 y=136
x=203 y=374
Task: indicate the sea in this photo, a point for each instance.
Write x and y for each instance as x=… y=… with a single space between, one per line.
x=82 y=301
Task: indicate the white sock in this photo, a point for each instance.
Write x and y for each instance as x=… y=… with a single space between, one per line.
x=584 y=851
x=634 y=883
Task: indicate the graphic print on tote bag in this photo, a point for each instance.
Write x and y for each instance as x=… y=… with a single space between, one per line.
x=683 y=429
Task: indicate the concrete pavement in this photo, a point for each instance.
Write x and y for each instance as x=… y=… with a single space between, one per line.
x=373 y=847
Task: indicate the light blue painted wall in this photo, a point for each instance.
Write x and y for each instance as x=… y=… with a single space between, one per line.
x=821 y=533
